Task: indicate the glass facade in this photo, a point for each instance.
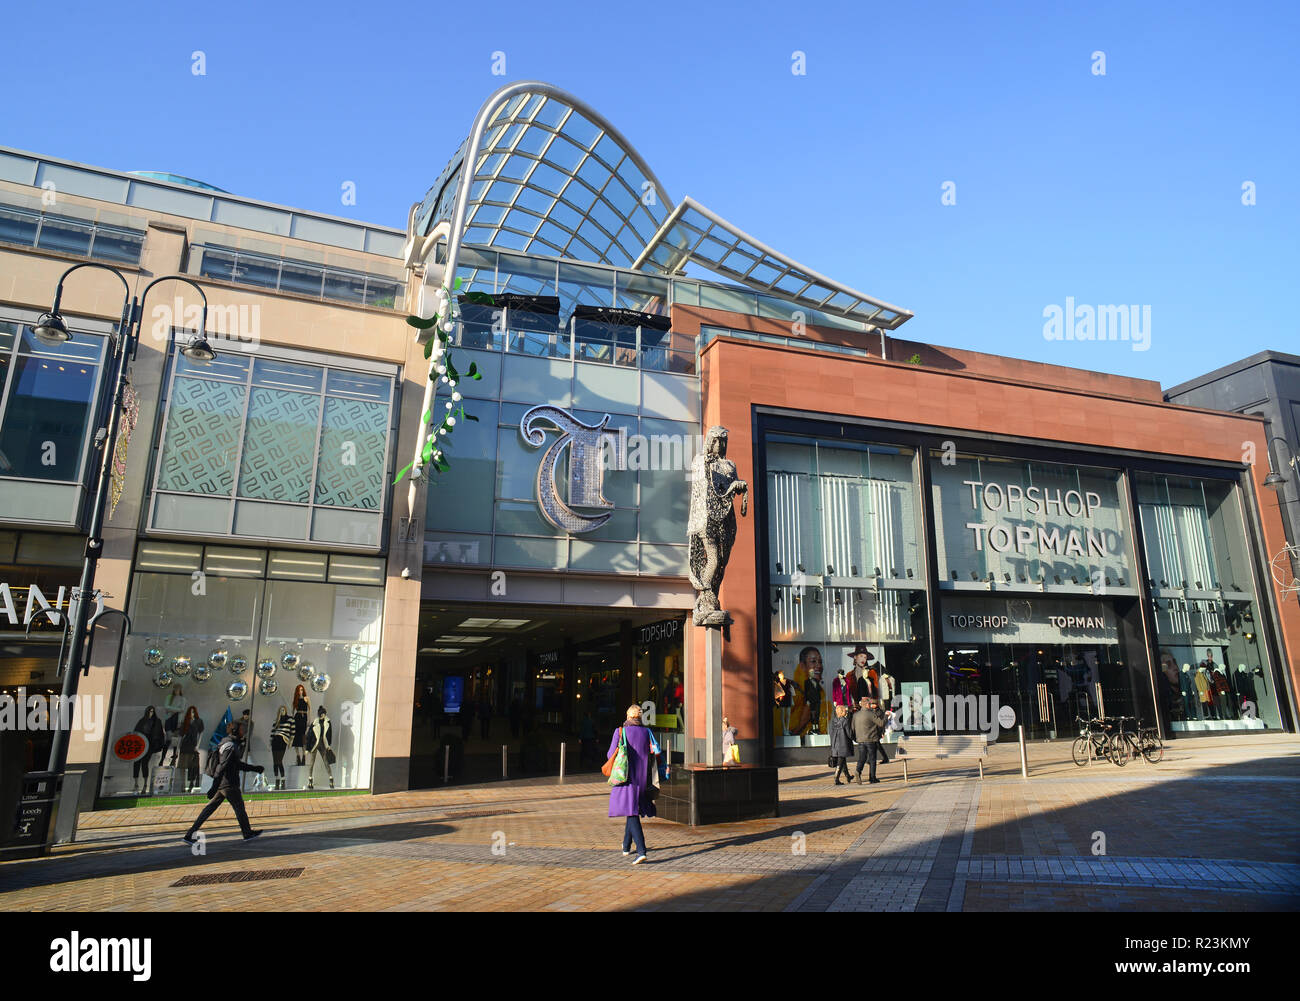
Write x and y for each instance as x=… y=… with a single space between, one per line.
x=485 y=511
x=31 y=227
x=846 y=569
x=261 y=447
x=307 y=278
x=1036 y=598
x=48 y=395
x=224 y=634
x=1213 y=668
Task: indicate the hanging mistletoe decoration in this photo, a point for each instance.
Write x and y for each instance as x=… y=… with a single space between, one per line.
x=442 y=373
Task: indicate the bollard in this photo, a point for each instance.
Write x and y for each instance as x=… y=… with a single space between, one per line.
x=446 y=764
x=563 y=747
x=1024 y=760
x=503 y=761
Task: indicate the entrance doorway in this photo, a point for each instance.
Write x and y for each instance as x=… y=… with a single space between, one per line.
x=529 y=678
x=1048 y=685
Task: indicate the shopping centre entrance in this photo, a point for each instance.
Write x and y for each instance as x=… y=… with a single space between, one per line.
x=530 y=678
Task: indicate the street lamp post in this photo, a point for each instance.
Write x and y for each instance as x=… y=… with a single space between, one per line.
x=53 y=330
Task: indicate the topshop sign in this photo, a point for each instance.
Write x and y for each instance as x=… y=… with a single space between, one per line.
x=1013 y=500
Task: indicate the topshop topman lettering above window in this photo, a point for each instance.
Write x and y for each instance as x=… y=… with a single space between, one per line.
x=1013 y=522
x=275 y=447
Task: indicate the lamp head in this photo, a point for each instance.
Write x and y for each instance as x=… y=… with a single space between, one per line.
x=51 y=331
x=1275 y=480
x=199 y=350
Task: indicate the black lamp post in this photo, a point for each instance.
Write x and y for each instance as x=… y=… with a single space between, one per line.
x=52 y=330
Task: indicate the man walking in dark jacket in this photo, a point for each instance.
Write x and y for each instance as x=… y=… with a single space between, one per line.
x=868 y=728
x=225 y=786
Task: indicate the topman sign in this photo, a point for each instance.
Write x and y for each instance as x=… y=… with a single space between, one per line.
x=586 y=478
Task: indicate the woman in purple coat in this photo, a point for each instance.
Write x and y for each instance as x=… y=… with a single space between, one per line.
x=629 y=800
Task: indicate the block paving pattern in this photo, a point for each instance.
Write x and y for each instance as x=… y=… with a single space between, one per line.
x=1216 y=826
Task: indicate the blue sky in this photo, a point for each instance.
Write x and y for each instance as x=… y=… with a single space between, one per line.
x=1122 y=188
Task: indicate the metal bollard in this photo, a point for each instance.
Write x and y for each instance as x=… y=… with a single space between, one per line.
x=1024 y=760
x=446 y=764
x=563 y=749
x=503 y=761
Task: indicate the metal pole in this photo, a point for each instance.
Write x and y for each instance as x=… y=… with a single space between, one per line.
x=503 y=761
x=1024 y=760
x=77 y=610
x=563 y=748
x=446 y=763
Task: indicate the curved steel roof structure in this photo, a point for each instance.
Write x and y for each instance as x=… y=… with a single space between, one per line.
x=552 y=177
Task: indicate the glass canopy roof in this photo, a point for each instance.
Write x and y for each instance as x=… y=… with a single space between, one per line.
x=555 y=179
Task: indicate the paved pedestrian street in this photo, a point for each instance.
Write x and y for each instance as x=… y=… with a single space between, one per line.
x=1215 y=826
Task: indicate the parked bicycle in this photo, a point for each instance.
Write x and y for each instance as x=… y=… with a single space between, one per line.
x=1129 y=741
x=1095 y=732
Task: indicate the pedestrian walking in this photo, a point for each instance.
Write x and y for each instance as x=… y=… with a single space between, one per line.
x=841 y=744
x=225 y=785
x=630 y=799
x=868 y=729
x=730 y=749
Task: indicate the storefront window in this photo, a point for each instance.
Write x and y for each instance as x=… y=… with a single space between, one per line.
x=1214 y=672
x=222 y=635
x=845 y=571
x=37 y=571
x=660 y=681
x=46 y=395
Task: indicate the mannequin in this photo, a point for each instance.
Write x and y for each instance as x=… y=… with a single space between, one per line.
x=888 y=689
x=842 y=691
x=1191 y=703
x=281 y=736
x=150 y=727
x=1204 y=689
x=189 y=732
x=301 y=710
x=320 y=742
x=1222 y=694
x=1244 y=685
x=175 y=705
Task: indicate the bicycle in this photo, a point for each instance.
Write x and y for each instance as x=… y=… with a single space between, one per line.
x=1098 y=738
x=1153 y=748
x=1129 y=743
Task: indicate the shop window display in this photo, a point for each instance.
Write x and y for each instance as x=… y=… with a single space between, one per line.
x=296 y=661
x=1213 y=672
x=848 y=611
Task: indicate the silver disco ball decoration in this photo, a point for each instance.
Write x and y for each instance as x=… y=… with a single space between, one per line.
x=269 y=686
x=153 y=656
x=320 y=682
x=180 y=666
x=306 y=671
x=290 y=660
x=218 y=659
x=237 y=690
x=266 y=669
x=163 y=679
x=201 y=672
x=238 y=664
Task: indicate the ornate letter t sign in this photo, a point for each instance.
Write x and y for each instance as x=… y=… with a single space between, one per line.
x=711 y=524
x=586 y=467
